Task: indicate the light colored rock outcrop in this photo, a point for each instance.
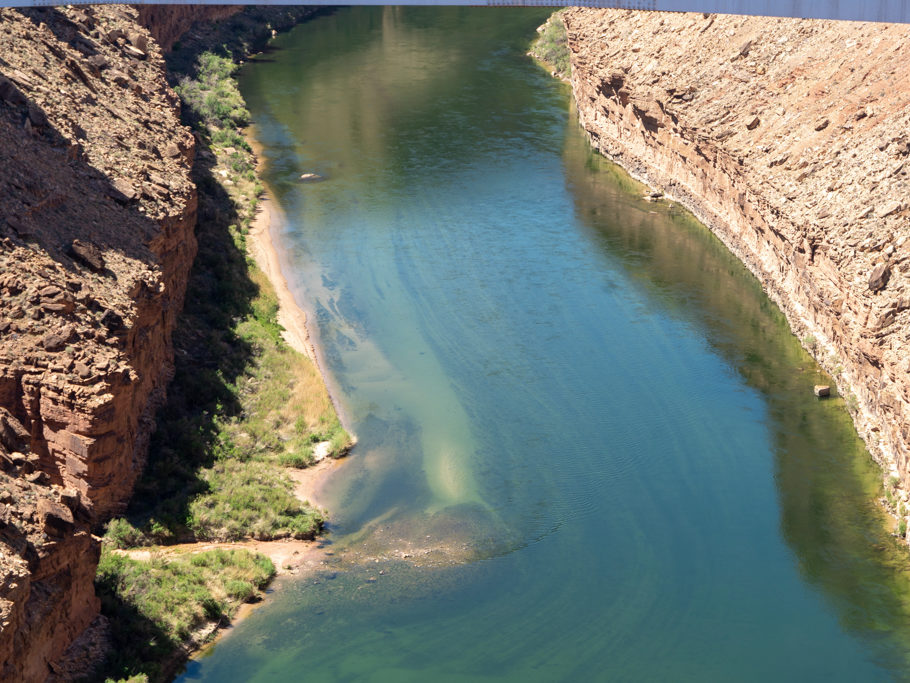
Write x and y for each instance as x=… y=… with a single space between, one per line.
x=790 y=139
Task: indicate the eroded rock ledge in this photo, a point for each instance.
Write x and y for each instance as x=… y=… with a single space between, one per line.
x=97 y=212
x=790 y=139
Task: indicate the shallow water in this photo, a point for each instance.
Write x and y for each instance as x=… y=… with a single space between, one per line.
x=589 y=448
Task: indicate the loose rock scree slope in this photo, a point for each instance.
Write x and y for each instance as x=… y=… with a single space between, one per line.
x=96 y=240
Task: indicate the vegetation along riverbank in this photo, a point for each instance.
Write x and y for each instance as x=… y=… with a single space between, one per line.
x=243 y=408
x=795 y=160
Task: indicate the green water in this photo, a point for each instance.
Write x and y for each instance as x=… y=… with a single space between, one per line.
x=589 y=448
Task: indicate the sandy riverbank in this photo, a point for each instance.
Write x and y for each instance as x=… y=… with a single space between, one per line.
x=260 y=243
x=263 y=251
x=261 y=246
x=289 y=556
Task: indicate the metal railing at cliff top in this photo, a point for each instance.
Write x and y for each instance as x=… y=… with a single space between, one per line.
x=895 y=11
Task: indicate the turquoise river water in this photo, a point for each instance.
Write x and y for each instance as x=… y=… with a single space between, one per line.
x=588 y=445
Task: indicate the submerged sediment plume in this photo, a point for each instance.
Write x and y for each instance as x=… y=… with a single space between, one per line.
x=789 y=139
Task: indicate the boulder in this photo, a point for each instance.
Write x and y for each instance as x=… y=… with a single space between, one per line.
x=56 y=517
x=13 y=436
x=878 y=278
x=138 y=40
x=890 y=208
x=56 y=340
x=88 y=254
x=133 y=52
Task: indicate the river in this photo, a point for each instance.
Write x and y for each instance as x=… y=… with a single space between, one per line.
x=588 y=445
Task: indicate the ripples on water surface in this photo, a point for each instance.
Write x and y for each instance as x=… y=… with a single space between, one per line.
x=577 y=412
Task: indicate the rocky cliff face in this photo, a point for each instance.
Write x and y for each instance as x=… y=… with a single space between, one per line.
x=96 y=240
x=47 y=563
x=167 y=23
x=790 y=139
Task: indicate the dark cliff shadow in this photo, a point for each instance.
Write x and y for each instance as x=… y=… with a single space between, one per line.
x=209 y=354
x=133 y=635
x=826 y=481
x=208 y=358
x=239 y=35
x=51 y=198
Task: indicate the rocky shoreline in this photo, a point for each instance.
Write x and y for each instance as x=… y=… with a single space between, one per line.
x=97 y=216
x=796 y=156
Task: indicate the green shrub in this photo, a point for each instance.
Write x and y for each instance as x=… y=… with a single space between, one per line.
x=212 y=94
x=552 y=46
x=296 y=459
x=159 y=603
x=121 y=534
x=340 y=442
x=240 y=590
x=250 y=499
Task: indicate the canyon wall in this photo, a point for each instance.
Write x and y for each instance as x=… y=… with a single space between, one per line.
x=790 y=140
x=167 y=23
x=97 y=212
x=97 y=217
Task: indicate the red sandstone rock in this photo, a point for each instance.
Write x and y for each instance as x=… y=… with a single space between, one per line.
x=92 y=277
x=167 y=23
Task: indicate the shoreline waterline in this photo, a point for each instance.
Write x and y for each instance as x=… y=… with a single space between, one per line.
x=262 y=249
x=473 y=242
x=291 y=315
x=291 y=557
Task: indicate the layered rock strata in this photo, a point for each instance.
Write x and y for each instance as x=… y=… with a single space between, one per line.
x=47 y=560
x=790 y=139
x=97 y=212
x=167 y=23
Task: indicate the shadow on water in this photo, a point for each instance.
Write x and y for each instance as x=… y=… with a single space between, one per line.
x=634 y=521
x=827 y=483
